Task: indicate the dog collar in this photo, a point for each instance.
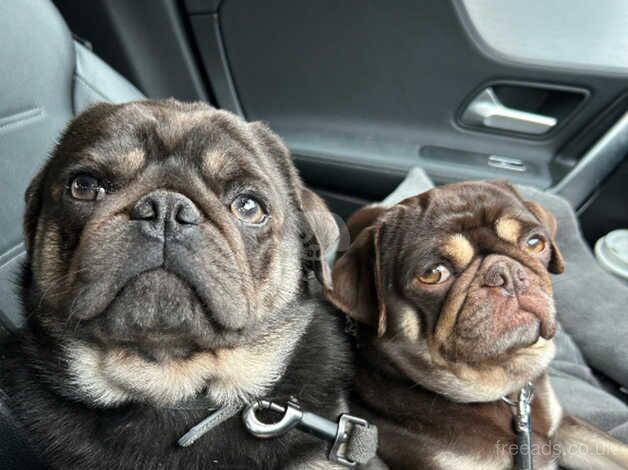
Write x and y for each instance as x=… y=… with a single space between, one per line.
x=523 y=427
x=216 y=418
x=199 y=403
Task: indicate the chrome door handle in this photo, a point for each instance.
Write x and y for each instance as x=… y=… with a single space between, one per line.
x=487 y=111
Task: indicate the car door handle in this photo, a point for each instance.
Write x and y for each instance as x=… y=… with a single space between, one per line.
x=487 y=110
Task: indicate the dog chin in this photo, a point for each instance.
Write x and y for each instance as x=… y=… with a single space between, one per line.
x=491 y=382
x=113 y=375
x=162 y=348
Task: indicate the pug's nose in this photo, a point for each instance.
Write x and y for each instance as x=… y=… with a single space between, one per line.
x=164 y=213
x=510 y=276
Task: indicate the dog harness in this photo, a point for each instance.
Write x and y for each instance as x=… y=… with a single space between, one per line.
x=352 y=440
x=523 y=427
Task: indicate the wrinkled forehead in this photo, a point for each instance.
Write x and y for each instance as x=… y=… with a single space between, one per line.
x=462 y=219
x=469 y=206
x=124 y=139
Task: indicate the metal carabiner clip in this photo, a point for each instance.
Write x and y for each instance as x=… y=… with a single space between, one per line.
x=292 y=415
x=336 y=433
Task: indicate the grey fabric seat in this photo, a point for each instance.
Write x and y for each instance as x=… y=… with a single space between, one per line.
x=45 y=79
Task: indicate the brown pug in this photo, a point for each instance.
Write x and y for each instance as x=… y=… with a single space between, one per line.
x=453 y=298
x=168 y=246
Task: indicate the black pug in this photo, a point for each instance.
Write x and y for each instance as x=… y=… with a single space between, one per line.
x=168 y=250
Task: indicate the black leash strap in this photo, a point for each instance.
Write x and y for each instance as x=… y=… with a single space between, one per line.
x=523 y=427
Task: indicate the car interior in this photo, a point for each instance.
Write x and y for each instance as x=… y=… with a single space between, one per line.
x=361 y=91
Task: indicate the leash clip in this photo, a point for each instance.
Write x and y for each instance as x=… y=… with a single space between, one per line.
x=292 y=415
x=523 y=427
x=524 y=408
x=339 y=434
x=342 y=438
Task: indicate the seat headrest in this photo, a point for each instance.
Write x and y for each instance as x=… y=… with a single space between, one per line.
x=45 y=78
x=36 y=72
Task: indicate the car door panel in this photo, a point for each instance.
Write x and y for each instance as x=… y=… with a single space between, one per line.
x=380 y=85
x=363 y=90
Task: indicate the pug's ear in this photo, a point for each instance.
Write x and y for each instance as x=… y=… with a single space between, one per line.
x=556 y=264
x=357 y=281
x=363 y=218
x=320 y=235
x=319 y=230
x=33 y=199
x=505 y=184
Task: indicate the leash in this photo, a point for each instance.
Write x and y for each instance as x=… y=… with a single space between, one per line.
x=352 y=440
x=219 y=416
x=523 y=427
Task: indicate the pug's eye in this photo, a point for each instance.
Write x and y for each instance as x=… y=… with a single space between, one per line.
x=248 y=210
x=435 y=275
x=86 y=188
x=535 y=244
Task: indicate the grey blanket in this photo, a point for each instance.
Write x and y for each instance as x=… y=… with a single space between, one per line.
x=593 y=310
